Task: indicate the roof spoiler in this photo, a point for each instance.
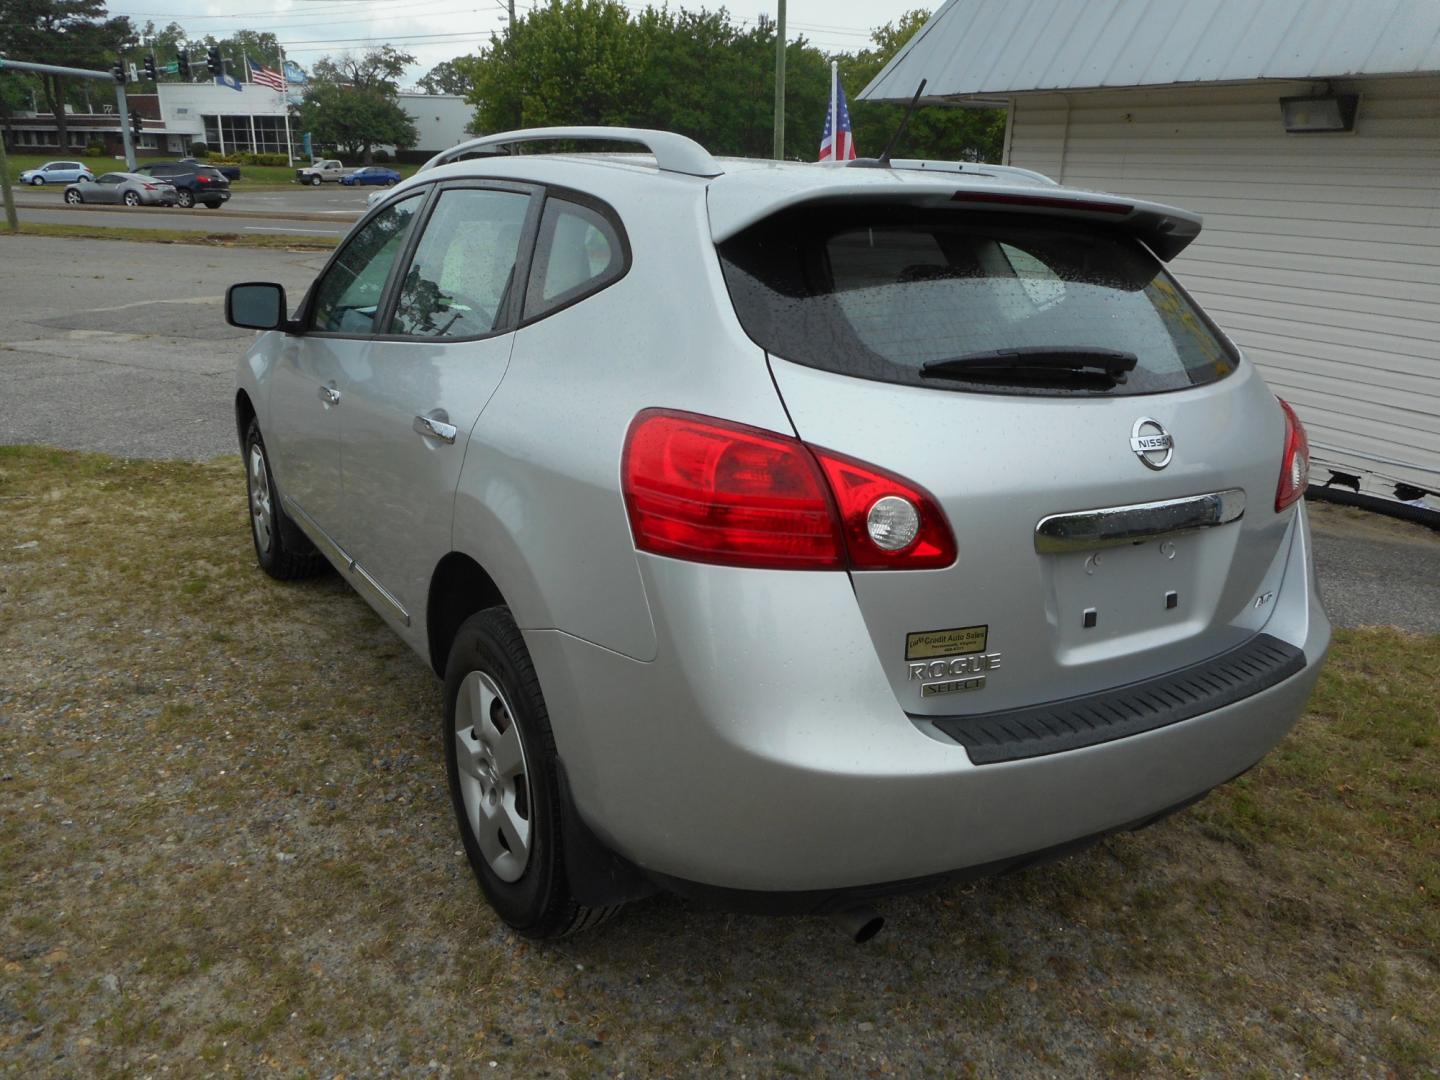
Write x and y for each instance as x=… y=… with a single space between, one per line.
x=673 y=153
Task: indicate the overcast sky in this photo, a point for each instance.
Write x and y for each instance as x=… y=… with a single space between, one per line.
x=436 y=30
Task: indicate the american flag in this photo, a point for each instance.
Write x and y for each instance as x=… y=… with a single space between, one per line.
x=842 y=149
x=265 y=76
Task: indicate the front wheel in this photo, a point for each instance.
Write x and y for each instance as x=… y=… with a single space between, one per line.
x=132 y=199
x=283 y=551
x=185 y=199
x=37 y=181
x=213 y=205
x=504 y=783
x=73 y=198
x=314 y=181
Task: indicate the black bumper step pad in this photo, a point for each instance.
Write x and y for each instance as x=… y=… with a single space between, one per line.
x=1036 y=730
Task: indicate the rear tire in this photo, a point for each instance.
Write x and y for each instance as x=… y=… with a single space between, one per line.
x=504 y=783
x=283 y=551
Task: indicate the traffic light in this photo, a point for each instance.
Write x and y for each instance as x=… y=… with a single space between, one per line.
x=137 y=125
x=150 y=72
x=119 y=72
x=213 y=60
x=182 y=64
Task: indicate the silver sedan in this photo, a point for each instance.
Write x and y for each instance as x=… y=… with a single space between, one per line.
x=129 y=189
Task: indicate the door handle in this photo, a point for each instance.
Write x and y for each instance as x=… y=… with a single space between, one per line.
x=330 y=394
x=433 y=426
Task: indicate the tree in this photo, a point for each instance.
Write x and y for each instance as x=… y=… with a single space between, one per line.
x=941 y=132
x=68 y=33
x=356 y=119
x=378 y=69
x=698 y=73
x=446 y=77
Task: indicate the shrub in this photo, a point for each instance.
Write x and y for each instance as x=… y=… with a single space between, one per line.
x=199 y=150
x=95 y=149
x=248 y=158
x=382 y=157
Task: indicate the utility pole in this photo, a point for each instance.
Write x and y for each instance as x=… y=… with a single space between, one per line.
x=780 y=83
x=122 y=105
x=11 y=221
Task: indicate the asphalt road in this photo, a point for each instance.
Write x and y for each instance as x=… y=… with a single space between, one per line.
x=122 y=348
x=326 y=199
x=200 y=219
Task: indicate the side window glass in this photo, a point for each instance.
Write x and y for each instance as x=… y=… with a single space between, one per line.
x=457 y=282
x=577 y=252
x=347 y=296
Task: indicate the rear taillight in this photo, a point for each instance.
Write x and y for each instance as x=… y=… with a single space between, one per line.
x=148 y=187
x=707 y=490
x=1295 y=463
x=202 y=179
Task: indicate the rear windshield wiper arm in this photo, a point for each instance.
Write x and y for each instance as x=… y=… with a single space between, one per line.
x=1029 y=361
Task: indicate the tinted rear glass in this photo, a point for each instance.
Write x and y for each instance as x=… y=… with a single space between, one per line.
x=880 y=292
x=213 y=174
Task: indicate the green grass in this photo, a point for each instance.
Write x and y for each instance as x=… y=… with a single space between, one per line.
x=176 y=236
x=225 y=845
x=250 y=175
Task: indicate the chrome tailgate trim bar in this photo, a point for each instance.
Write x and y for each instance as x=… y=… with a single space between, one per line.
x=1116 y=526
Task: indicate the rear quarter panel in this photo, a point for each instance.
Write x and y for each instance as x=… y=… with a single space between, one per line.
x=539 y=502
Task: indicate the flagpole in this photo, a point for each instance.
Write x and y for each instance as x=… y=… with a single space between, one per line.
x=834 y=111
x=285 y=99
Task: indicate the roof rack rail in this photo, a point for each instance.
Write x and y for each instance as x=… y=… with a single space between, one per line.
x=924 y=165
x=673 y=153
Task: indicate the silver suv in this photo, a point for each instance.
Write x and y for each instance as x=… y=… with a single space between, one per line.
x=787 y=535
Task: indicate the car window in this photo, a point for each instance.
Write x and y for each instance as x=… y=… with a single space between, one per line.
x=578 y=252
x=111 y=178
x=347 y=296
x=879 y=292
x=457 y=282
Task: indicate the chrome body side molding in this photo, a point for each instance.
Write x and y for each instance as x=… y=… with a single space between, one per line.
x=360 y=578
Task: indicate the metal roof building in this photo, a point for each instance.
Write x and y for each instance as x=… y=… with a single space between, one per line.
x=1320 y=253
x=985 y=47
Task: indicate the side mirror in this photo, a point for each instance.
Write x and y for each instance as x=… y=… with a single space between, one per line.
x=256 y=305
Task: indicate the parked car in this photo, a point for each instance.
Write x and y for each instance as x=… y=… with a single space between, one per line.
x=193 y=183
x=372 y=175
x=230 y=172
x=786 y=535
x=324 y=171
x=57 y=172
x=131 y=189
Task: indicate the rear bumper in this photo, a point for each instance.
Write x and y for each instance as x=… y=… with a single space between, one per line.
x=764 y=751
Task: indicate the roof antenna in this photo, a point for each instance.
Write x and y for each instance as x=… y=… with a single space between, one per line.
x=883 y=161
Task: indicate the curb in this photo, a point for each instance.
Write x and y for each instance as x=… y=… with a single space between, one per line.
x=339 y=217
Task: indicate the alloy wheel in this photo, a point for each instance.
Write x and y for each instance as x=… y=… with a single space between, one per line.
x=262 y=514
x=494 y=779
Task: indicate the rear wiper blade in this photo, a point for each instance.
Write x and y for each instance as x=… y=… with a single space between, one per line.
x=1029 y=362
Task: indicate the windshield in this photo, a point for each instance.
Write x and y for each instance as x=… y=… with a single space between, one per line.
x=882 y=292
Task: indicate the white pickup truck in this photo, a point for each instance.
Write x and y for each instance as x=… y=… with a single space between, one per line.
x=321 y=172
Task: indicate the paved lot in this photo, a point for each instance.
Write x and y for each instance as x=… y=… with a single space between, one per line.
x=123 y=348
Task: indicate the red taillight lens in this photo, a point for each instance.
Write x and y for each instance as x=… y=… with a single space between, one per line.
x=863 y=494
x=148 y=187
x=202 y=179
x=707 y=490
x=1295 y=464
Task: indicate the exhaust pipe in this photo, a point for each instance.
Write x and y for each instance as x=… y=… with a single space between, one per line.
x=859 y=923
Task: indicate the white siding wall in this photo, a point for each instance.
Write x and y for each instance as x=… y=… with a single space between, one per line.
x=1320 y=253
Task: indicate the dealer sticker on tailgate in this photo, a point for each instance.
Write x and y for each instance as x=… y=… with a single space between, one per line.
x=929 y=643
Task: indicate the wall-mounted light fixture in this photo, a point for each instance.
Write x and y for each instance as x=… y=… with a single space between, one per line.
x=1325 y=112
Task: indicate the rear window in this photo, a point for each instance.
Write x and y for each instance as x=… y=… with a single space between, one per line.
x=881 y=292
x=212 y=173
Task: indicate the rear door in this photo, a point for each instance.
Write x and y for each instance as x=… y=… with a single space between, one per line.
x=1084 y=387
x=414 y=395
